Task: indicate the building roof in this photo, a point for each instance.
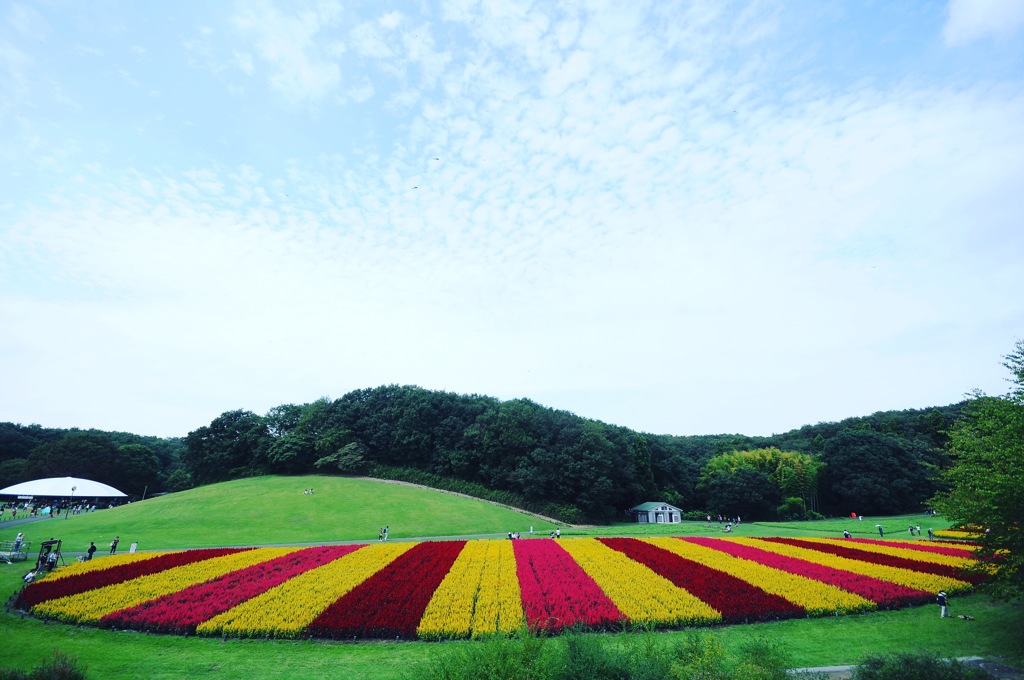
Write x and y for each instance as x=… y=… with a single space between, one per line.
x=62 y=487
x=643 y=507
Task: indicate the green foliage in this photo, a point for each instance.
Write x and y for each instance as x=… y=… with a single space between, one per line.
x=520 y=658
x=137 y=470
x=986 y=481
x=792 y=509
x=745 y=493
x=692 y=656
x=348 y=460
x=874 y=473
x=60 y=667
x=919 y=666
x=752 y=483
x=234 y=445
x=12 y=471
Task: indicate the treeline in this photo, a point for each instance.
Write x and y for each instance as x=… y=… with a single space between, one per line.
x=541 y=459
x=568 y=466
x=132 y=463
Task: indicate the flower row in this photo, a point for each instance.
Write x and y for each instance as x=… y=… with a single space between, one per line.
x=457 y=589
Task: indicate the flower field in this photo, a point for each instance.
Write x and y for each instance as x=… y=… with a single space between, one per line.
x=463 y=589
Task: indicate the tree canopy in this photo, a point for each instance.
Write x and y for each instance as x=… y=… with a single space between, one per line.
x=545 y=460
x=986 y=480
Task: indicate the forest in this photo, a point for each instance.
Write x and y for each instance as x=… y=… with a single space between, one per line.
x=521 y=453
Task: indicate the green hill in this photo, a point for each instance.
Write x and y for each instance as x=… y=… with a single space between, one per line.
x=273 y=510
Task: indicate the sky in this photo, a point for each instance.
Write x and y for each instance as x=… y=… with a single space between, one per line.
x=684 y=218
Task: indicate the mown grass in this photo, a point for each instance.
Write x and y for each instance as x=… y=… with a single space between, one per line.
x=273 y=510
x=895 y=528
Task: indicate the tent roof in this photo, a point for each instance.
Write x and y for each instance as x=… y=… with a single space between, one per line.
x=61 y=487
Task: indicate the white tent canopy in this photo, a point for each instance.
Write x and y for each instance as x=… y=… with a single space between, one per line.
x=63 y=487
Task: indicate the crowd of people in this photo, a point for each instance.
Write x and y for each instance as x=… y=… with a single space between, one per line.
x=12 y=510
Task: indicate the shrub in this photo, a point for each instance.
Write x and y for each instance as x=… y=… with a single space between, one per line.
x=920 y=666
x=60 y=667
x=698 y=656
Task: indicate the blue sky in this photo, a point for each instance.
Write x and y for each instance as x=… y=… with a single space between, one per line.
x=681 y=217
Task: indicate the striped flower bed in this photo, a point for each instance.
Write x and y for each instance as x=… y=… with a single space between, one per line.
x=460 y=589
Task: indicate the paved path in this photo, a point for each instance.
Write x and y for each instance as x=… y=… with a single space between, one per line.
x=994 y=668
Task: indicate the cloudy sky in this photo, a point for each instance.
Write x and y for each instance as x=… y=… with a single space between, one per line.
x=682 y=217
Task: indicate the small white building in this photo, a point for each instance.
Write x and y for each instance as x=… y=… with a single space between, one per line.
x=656 y=513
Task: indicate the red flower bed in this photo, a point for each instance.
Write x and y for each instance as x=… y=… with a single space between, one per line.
x=391 y=602
x=42 y=591
x=874 y=589
x=937 y=549
x=182 y=611
x=556 y=592
x=879 y=558
x=736 y=599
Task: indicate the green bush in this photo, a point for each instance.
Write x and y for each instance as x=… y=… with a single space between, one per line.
x=578 y=655
x=921 y=666
x=61 y=667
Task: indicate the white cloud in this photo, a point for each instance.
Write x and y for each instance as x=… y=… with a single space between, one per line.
x=970 y=20
x=299 y=67
x=621 y=214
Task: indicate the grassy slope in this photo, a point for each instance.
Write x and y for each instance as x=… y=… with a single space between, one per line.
x=273 y=510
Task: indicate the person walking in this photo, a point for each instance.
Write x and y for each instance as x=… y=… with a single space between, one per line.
x=113 y=544
x=91 y=550
x=943 y=601
x=881 y=531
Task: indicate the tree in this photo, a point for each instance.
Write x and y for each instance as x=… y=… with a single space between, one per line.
x=12 y=472
x=793 y=475
x=77 y=454
x=234 y=445
x=137 y=470
x=874 y=473
x=986 y=480
x=746 y=492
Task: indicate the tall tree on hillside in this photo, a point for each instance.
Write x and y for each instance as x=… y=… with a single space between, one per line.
x=873 y=473
x=78 y=454
x=986 y=480
x=12 y=471
x=793 y=475
x=137 y=470
x=746 y=492
x=234 y=445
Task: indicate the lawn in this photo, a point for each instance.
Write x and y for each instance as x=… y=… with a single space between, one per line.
x=273 y=510
x=895 y=528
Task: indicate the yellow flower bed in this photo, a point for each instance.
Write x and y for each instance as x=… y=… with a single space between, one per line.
x=952 y=533
x=103 y=563
x=91 y=606
x=286 y=610
x=908 y=553
x=814 y=596
x=479 y=596
x=905 y=577
x=638 y=592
